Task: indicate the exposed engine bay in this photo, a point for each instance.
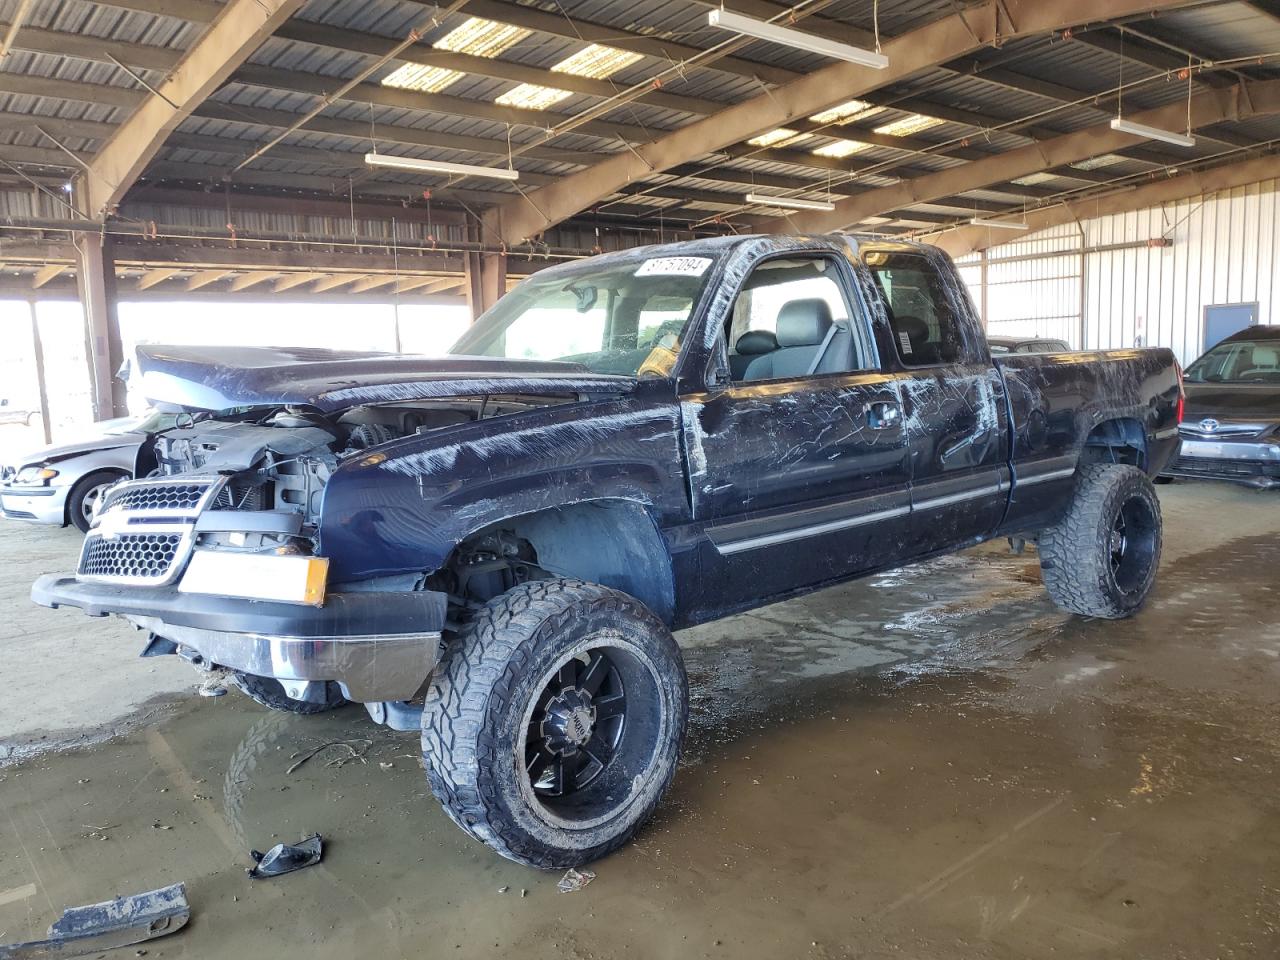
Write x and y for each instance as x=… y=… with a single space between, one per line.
x=276 y=461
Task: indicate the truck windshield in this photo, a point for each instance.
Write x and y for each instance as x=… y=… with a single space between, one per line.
x=1239 y=361
x=624 y=317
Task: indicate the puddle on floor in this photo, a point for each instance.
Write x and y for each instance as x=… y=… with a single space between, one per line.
x=933 y=763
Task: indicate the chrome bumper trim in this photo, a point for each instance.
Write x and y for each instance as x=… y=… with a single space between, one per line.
x=370 y=669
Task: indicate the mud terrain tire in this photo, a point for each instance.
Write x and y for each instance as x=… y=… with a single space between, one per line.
x=270 y=693
x=1101 y=559
x=554 y=721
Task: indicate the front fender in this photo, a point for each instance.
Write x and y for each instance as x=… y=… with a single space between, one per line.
x=404 y=508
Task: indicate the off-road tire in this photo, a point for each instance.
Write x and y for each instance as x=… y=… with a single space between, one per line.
x=75 y=499
x=1076 y=559
x=491 y=677
x=270 y=693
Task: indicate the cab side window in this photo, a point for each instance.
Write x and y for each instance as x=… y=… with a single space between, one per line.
x=926 y=328
x=792 y=319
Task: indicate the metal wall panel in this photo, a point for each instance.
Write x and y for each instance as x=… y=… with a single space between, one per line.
x=1225 y=249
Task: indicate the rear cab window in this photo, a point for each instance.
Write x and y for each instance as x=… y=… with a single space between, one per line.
x=927 y=330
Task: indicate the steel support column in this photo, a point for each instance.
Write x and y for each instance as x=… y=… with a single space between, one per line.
x=96 y=283
x=42 y=387
x=486 y=281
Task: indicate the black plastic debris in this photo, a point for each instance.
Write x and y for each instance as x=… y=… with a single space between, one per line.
x=284 y=858
x=113 y=923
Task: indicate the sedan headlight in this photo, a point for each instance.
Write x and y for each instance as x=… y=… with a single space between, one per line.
x=35 y=474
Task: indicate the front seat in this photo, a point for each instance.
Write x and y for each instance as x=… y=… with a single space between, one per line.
x=807 y=344
x=750 y=346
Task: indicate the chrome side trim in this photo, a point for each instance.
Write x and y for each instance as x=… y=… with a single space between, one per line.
x=800 y=533
x=957 y=497
x=1166 y=433
x=1042 y=477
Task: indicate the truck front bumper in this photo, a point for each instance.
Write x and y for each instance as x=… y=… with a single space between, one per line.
x=379 y=646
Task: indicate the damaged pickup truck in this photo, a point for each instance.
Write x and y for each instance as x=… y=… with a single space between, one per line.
x=495 y=546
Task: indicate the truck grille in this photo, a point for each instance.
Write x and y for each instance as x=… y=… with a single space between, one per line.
x=144 y=530
x=135 y=556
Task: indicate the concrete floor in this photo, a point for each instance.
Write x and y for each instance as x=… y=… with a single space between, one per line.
x=932 y=763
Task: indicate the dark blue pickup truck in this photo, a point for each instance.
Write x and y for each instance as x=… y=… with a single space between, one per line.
x=496 y=545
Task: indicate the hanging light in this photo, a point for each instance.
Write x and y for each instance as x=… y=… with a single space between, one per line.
x=1152 y=133
x=789 y=203
x=1001 y=224
x=415 y=165
x=797 y=39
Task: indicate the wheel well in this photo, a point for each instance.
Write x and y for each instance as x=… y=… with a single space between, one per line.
x=1116 y=441
x=615 y=543
x=113 y=471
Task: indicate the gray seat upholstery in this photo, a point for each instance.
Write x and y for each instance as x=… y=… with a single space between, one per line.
x=802 y=331
x=750 y=345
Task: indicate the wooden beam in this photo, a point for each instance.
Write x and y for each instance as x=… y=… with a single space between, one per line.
x=938 y=42
x=334 y=281
x=47 y=273
x=247 y=280
x=369 y=283
x=204 y=278
x=237 y=32
x=1261 y=98
x=153 y=277
x=289 y=281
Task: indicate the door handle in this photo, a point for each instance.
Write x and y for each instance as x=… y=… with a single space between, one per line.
x=883 y=414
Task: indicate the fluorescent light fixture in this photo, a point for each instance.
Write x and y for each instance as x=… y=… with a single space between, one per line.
x=531 y=96
x=1001 y=224
x=1031 y=179
x=736 y=22
x=417 y=76
x=482 y=38
x=1152 y=133
x=596 y=62
x=415 y=165
x=847 y=112
x=781 y=137
x=908 y=126
x=841 y=148
x=1094 y=163
x=789 y=203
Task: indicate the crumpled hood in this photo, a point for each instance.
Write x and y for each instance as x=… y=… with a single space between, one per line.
x=218 y=378
x=1232 y=401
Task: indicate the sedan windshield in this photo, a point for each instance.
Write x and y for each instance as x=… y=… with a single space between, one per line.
x=623 y=317
x=1238 y=361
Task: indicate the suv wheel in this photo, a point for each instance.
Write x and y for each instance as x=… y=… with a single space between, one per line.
x=1100 y=560
x=553 y=723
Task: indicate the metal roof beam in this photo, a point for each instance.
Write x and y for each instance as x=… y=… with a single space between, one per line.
x=938 y=42
x=1257 y=99
x=1184 y=186
x=237 y=32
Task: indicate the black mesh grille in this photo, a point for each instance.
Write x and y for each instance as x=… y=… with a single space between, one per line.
x=160 y=496
x=143 y=556
x=1214 y=467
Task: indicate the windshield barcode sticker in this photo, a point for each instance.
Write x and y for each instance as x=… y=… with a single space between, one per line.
x=674 y=267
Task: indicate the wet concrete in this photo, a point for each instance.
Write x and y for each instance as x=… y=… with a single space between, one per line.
x=932 y=763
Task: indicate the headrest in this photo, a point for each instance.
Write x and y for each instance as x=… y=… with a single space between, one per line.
x=1266 y=357
x=803 y=322
x=917 y=330
x=757 y=341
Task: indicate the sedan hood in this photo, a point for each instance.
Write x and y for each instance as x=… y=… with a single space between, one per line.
x=219 y=378
x=64 y=451
x=1233 y=401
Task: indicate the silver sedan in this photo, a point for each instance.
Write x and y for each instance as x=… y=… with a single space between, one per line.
x=62 y=484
